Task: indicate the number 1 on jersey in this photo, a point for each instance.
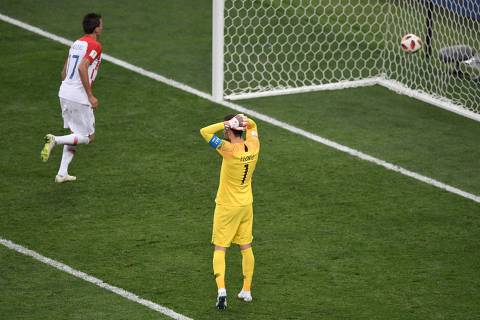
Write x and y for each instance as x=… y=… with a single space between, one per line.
x=245 y=173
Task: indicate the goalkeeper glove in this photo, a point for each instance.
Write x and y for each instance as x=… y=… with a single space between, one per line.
x=239 y=123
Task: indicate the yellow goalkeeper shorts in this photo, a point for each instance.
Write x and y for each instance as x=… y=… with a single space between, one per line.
x=232 y=224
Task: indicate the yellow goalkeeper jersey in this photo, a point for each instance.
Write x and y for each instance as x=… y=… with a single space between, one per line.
x=238 y=164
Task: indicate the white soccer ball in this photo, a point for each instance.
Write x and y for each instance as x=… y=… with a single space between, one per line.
x=411 y=43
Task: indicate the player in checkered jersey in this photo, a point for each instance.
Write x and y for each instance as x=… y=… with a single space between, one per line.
x=76 y=97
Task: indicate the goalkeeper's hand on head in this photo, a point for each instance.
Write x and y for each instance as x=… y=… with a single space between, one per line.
x=243 y=120
x=239 y=123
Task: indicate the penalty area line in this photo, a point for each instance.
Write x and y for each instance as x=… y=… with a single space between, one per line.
x=82 y=275
x=260 y=116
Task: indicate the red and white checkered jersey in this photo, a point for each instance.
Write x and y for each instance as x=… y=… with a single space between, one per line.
x=72 y=88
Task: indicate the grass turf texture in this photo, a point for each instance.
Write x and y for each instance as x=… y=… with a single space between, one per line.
x=32 y=290
x=335 y=238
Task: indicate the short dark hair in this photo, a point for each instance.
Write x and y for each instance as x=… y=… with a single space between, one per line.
x=237 y=133
x=90 y=22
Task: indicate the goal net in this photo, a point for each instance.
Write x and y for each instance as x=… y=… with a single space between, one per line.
x=271 y=47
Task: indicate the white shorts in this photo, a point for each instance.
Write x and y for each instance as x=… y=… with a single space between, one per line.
x=77 y=117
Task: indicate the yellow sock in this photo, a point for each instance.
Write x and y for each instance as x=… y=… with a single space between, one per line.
x=248 y=262
x=219 y=268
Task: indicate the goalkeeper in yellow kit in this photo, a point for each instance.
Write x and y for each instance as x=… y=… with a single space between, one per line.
x=233 y=217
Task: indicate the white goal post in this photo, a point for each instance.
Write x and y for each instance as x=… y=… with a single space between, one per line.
x=274 y=47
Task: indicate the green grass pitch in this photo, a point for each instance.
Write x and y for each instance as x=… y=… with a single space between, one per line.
x=335 y=237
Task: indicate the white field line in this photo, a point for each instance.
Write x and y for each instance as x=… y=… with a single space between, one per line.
x=79 y=274
x=257 y=115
